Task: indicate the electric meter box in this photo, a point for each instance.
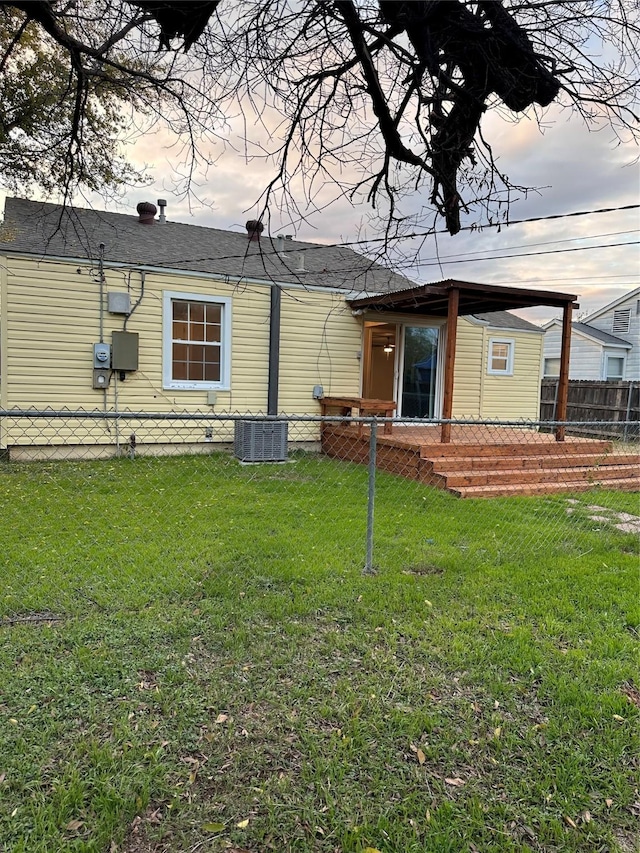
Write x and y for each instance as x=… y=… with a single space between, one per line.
x=124 y=350
x=101 y=356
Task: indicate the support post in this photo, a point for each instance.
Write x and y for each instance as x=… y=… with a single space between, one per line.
x=368 y=566
x=449 y=363
x=563 y=378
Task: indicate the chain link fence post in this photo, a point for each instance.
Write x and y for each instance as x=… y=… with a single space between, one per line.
x=371 y=497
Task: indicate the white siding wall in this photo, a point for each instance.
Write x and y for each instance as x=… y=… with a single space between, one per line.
x=586 y=356
x=604 y=322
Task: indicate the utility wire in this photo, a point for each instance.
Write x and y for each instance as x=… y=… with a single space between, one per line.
x=521 y=255
x=412 y=236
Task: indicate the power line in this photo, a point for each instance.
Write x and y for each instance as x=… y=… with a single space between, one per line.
x=411 y=236
x=530 y=245
x=523 y=255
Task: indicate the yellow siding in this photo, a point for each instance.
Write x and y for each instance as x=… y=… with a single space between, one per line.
x=3 y=330
x=516 y=396
x=320 y=342
x=52 y=312
x=467 y=380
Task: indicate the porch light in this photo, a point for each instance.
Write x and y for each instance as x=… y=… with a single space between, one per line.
x=388 y=347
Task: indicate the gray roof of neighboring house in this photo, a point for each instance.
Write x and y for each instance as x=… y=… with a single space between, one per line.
x=50 y=230
x=603 y=337
x=507 y=320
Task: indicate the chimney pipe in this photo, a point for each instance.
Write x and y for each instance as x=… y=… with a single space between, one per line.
x=254 y=230
x=280 y=244
x=162 y=203
x=146 y=212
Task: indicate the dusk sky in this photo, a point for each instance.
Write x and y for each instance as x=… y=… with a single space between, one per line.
x=573 y=168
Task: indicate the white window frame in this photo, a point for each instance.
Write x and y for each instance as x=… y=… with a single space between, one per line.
x=511 y=343
x=546 y=374
x=605 y=365
x=168 y=382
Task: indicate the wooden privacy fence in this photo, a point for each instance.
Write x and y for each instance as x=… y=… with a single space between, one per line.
x=589 y=400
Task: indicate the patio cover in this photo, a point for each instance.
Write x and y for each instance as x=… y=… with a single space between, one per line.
x=452 y=299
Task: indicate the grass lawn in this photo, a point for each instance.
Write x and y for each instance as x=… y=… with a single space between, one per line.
x=220 y=675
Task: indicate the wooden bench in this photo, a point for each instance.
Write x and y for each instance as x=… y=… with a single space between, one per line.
x=365 y=407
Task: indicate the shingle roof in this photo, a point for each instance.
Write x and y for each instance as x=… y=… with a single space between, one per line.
x=604 y=337
x=50 y=230
x=506 y=320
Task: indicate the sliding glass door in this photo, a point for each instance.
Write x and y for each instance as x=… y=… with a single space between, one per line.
x=419 y=372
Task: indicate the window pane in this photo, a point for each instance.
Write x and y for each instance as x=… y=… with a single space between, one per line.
x=212 y=371
x=179 y=352
x=196 y=353
x=214 y=313
x=196 y=312
x=181 y=311
x=500 y=354
x=179 y=370
x=213 y=332
x=196 y=331
x=552 y=367
x=615 y=368
x=180 y=331
x=196 y=371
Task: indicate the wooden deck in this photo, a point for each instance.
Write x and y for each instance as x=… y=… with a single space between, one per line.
x=487 y=461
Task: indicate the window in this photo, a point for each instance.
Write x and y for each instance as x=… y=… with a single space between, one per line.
x=614 y=368
x=621 y=321
x=552 y=367
x=501 y=356
x=197 y=341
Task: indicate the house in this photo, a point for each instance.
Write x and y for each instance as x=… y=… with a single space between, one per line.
x=605 y=345
x=112 y=312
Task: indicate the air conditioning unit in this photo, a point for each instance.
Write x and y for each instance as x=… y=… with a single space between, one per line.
x=260 y=441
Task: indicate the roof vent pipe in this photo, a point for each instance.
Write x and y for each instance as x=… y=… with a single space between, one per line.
x=162 y=203
x=300 y=267
x=146 y=212
x=254 y=230
x=280 y=244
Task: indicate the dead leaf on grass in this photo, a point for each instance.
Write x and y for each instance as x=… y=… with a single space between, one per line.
x=421 y=757
x=213 y=827
x=632 y=694
x=569 y=822
x=455 y=781
x=74 y=825
x=222 y=718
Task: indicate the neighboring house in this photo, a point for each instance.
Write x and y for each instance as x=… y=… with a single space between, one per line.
x=116 y=312
x=604 y=346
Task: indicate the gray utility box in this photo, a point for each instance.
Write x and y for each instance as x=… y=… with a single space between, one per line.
x=260 y=441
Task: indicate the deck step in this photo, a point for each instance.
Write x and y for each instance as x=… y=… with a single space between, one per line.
x=628 y=484
x=533 y=448
x=564 y=476
x=517 y=461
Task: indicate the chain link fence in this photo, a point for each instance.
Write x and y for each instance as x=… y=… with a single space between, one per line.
x=116 y=511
